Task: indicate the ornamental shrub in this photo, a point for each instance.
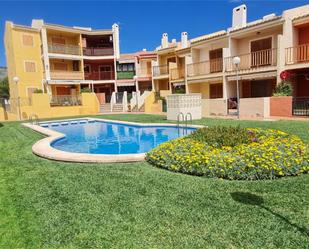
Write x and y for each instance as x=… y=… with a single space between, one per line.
x=37 y=90
x=283 y=89
x=219 y=136
x=85 y=90
x=269 y=154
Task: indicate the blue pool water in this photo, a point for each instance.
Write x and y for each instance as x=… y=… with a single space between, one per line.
x=100 y=137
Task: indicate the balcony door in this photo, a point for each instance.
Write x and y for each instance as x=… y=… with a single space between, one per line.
x=105 y=72
x=261 y=52
x=215 y=59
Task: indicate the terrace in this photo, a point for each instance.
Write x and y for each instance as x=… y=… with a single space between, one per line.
x=101 y=45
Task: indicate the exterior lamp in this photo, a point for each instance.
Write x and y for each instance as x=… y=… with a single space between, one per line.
x=16 y=80
x=236 y=62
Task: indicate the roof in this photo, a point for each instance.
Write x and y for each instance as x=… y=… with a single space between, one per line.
x=82 y=30
x=208 y=36
x=126 y=57
x=256 y=23
x=145 y=54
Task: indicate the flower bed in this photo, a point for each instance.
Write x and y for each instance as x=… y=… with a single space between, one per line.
x=258 y=154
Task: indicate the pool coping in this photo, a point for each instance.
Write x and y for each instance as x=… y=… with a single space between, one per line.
x=44 y=149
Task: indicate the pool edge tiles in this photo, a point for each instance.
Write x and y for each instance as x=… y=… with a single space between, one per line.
x=44 y=149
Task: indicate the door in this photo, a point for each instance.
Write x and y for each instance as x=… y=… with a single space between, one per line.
x=215 y=60
x=261 y=52
x=105 y=72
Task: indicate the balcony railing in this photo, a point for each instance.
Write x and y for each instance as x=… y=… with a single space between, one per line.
x=297 y=54
x=66 y=75
x=98 y=51
x=125 y=75
x=205 y=67
x=253 y=60
x=107 y=75
x=177 y=73
x=160 y=70
x=65 y=100
x=63 y=49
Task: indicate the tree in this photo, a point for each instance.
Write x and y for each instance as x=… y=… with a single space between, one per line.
x=4 y=88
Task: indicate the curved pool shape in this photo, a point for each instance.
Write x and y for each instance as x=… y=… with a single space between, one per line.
x=112 y=138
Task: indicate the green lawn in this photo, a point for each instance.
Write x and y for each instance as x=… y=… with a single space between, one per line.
x=49 y=204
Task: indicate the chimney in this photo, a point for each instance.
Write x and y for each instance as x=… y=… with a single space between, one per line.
x=164 y=40
x=240 y=16
x=174 y=41
x=37 y=23
x=144 y=50
x=184 y=39
x=115 y=29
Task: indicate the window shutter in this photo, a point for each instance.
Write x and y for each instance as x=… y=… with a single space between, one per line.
x=30 y=67
x=27 y=40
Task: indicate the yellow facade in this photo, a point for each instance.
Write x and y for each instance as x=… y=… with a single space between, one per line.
x=18 y=54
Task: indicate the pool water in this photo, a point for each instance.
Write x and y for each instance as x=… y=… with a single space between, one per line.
x=100 y=137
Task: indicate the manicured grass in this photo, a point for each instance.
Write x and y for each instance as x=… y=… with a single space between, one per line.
x=49 y=204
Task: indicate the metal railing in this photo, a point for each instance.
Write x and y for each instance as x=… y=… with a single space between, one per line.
x=125 y=75
x=106 y=75
x=66 y=75
x=297 y=54
x=300 y=106
x=160 y=70
x=253 y=60
x=177 y=73
x=64 y=49
x=65 y=100
x=205 y=67
x=90 y=51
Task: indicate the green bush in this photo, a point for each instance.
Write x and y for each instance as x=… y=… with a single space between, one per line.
x=37 y=90
x=219 y=136
x=283 y=89
x=85 y=90
x=268 y=154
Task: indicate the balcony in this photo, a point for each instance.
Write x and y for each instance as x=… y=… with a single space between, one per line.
x=160 y=70
x=89 y=51
x=106 y=75
x=205 y=67
x=125 y=75
x=177 y=73
x=66 y=75
x=63 y=49
x=297 y=54
x=254 y=60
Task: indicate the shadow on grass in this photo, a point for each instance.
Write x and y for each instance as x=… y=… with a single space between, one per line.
x=1 y=125
x=255 y=200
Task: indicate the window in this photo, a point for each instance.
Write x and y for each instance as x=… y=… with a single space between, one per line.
x=60 y=66
x=30 y=66
x=130 y=67
x=27 y=40
x=124 y=68
x=87 y=68
x=216 y=91
x=75 y=65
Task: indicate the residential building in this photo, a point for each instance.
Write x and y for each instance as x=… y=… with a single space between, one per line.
x=266 y=48
x=61 y=60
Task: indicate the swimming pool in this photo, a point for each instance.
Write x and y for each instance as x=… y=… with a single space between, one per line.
x=94 y=136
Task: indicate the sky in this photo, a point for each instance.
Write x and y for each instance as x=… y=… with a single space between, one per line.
x=141 y=22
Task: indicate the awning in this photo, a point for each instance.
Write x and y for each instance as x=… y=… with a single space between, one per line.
x=125 y=82
x=178 y=84
x=254 y=76
x=64 y=82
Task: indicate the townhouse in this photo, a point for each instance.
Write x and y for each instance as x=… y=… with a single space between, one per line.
x=60 y=60
x=268 y=48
